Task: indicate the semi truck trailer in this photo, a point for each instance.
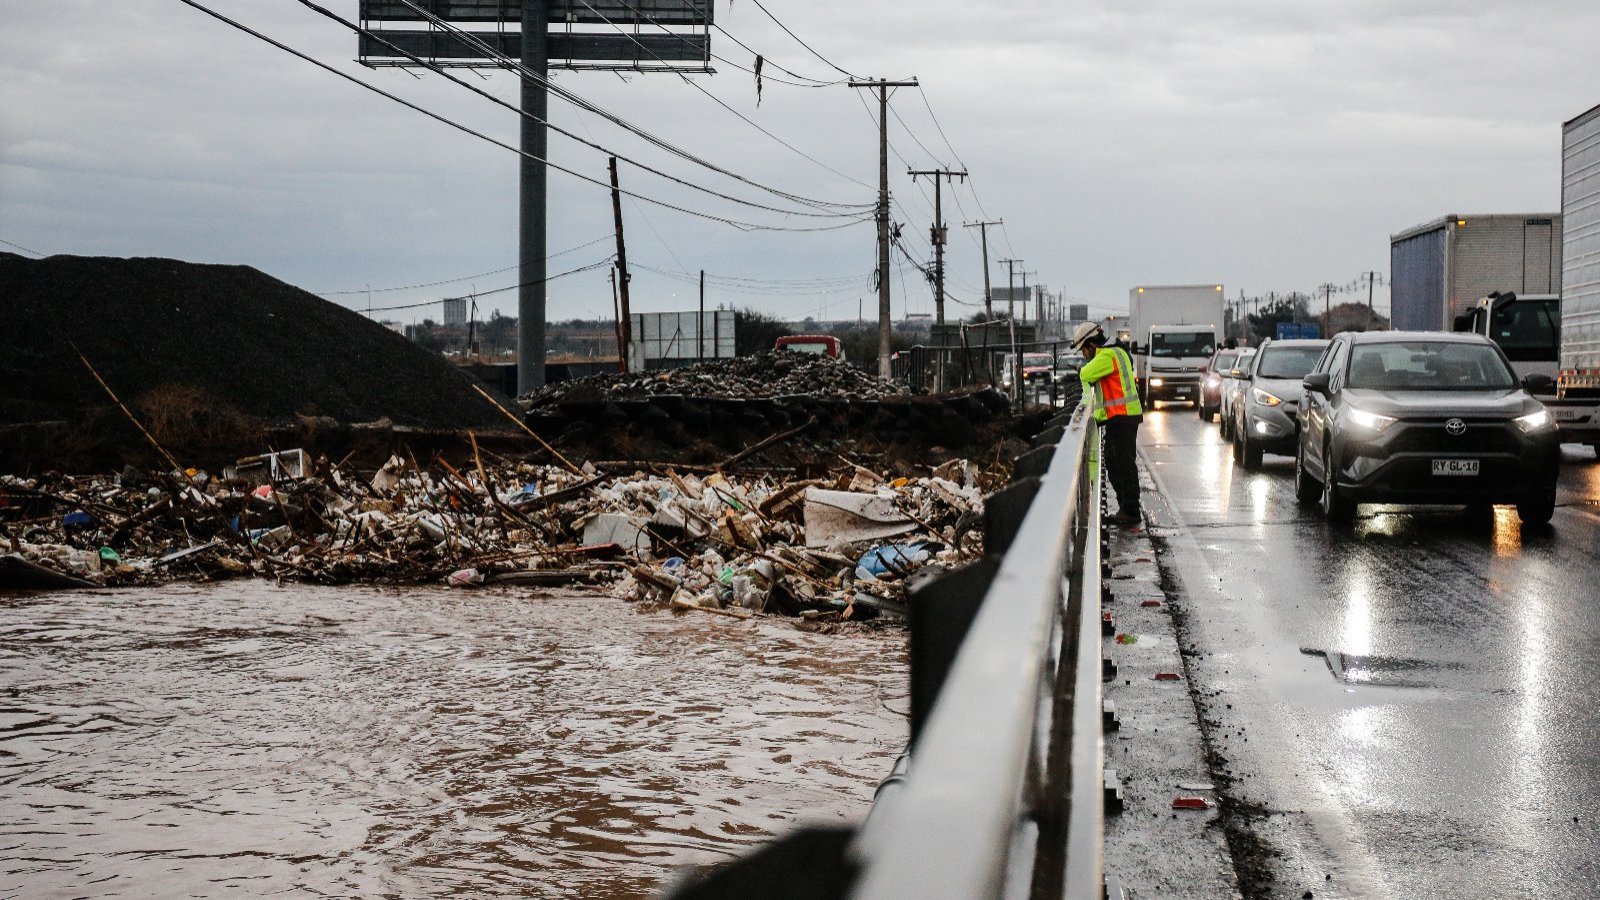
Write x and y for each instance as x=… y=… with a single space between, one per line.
x=1578 y=379
x=1174 y=330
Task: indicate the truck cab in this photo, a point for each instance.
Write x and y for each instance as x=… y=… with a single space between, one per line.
x=818 y=344
x=1528 y=331
x=1175 y=358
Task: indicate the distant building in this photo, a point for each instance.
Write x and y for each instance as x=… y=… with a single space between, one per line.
x=1078 y=312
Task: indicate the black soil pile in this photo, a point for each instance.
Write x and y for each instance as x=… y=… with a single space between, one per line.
x=770 y=373
x=209 y=350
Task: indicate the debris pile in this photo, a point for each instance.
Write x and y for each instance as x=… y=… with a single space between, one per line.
x=770 y=373
x=845 y=545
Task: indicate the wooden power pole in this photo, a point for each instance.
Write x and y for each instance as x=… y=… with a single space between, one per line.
x=885 y=324
x=938 y=233
x=983 y=229
x=624 y=317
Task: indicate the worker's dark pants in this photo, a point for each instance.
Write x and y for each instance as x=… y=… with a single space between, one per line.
x=1120 y=448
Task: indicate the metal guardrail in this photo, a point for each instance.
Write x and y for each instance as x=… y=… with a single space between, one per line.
x=1003 y=795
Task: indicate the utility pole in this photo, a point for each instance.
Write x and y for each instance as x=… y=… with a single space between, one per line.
x=1025 y=296
x=983 y=229
x=938 y=233
x=884 y=325
x=700 y=324
x=1327 y=305
x=624 y=317
x=1371 y=278
x=532 y=265
x=1011 y=287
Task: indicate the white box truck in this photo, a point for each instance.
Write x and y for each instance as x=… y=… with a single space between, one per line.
x=1174 y=330
x=1578 y=381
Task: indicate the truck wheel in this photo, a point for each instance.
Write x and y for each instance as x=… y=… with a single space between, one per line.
x=1537 y=508
x=1205 y=415
x=1306 y=488
x=1238 y=448
x=1226 y=428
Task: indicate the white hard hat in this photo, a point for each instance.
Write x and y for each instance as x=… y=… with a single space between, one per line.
x=1083 y=333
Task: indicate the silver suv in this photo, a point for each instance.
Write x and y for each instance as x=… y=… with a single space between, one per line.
x=1266 y=409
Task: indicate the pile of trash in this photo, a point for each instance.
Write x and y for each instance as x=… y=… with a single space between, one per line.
x=770 y=373
x=847 y=545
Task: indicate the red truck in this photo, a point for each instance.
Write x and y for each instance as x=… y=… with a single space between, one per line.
x=820 y=344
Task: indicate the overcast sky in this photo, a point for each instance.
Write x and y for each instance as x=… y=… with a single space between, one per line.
x=1268 y=145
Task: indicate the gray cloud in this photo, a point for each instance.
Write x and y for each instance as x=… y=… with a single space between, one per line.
x=1268 y=145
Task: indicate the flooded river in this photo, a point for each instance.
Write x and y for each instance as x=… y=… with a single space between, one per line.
x=247 y=739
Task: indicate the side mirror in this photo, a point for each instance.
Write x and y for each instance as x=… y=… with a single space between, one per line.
x=1138 y=349
x=1316 y=382
x=1538 y=384
x=1236 y=373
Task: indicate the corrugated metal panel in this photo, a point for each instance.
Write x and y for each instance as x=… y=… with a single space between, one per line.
x=1580 y=248
x=1416 y=276
x=585 y=12
x=437 y=45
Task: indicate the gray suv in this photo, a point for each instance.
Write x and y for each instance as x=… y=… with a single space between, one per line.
x=1266 y=409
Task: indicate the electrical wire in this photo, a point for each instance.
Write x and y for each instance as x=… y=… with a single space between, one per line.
x=500 y=290
x=735 y=223
x=412 y=287
x=717 y=100
x=434 y=67
x=22 y=248
x=790 y=33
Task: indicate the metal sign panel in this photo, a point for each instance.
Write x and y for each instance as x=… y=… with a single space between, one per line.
x=685 y=335
x=580 y=12
x=563 y=45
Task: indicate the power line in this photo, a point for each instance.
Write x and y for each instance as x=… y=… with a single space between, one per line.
x=22 y=248
x=719 y=102
x=741 y=225
x=434 y=67
x=412 y=287
x=786 y=30
x=500 y=290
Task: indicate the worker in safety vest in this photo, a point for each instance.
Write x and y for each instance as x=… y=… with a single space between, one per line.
x=1115 y=395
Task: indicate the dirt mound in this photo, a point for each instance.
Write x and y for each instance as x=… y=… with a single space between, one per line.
x=770 y=373
x=173 y=338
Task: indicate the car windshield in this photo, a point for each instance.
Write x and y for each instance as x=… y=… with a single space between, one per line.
x=1429 y=366
x=1287 y=362
x=1182 y=343
x=1035 y=360
x=1223 y=361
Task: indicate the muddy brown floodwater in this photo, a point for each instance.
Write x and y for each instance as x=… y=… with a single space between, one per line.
x=248 y=739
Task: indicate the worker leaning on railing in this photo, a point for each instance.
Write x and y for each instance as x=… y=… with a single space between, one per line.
x=1115 y=395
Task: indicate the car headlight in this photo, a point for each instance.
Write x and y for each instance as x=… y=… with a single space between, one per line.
x=1213 y=380
x=1157 y=382
x=1264 y=398
x=1370 y=419
x=1534 y=421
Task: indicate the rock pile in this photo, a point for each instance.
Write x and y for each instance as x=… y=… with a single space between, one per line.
x=770 y=373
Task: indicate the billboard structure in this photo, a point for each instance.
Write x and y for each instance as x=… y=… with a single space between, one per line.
x=683 y=336
x=531 y=37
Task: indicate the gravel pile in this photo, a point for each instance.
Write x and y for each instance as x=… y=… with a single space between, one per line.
x=771 y=373
x=167 y=333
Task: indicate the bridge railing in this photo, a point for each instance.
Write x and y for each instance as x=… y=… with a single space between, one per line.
x=1002 y=792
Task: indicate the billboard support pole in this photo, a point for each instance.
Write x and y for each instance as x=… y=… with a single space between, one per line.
x=531 y=243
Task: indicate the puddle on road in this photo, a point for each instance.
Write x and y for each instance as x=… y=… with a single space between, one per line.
x=245 y=739
x=1379 y=671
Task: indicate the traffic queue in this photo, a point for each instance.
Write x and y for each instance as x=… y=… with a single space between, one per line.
x=1390 y=417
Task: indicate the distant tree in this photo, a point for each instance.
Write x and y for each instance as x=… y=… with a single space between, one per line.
x=1264 y=322
x=754 y=331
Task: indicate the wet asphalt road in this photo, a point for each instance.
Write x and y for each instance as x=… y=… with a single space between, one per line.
x=1410 y=705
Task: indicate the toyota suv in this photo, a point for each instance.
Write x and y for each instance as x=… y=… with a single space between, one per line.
x=1422 y=417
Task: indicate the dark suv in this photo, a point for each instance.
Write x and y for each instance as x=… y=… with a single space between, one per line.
x=1423 y=417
